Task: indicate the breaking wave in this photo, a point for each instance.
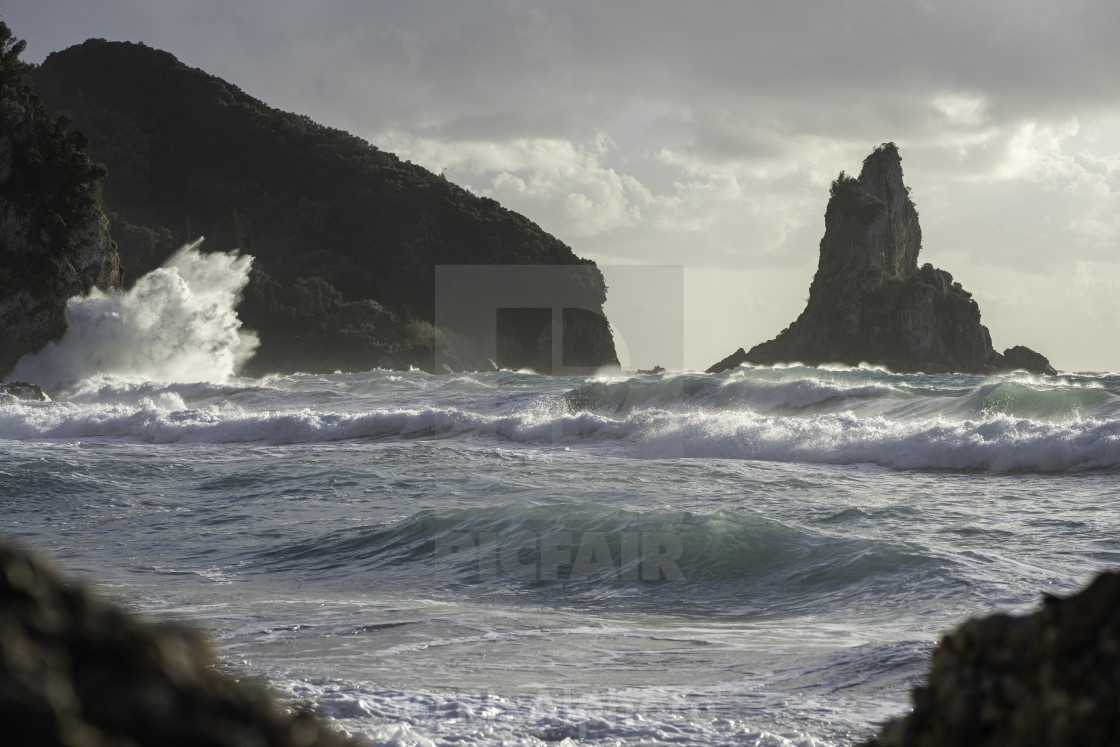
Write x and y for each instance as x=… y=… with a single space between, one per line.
x=732 y=561
x=178 y=323
x=954 y=423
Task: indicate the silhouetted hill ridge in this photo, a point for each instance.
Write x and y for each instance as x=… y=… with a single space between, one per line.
x=190 y=154
x=54 y=237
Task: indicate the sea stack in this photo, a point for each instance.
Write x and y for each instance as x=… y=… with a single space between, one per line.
x=870 y=302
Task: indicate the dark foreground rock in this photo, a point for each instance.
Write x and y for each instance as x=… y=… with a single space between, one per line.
x=869 y=301
x=75 y=671
x=1049 y=678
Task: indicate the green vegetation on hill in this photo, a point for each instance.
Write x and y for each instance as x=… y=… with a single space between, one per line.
x=346 y=236
x=46 y=177
x=54 y=240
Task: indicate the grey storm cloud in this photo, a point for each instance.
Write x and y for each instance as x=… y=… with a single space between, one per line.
x=472 y=70
x=498 y=69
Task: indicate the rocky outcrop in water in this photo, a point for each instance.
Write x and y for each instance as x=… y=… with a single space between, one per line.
x=24 y=390
x=36 y=280
x=1050 y=678
x=77 y=672
x=869 y=302
x=54 y=238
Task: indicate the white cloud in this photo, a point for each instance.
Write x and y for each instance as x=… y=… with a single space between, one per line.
x=1035 y=152
x=565 y=185
x=960 y=110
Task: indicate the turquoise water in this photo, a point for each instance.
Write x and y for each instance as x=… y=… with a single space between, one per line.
x=764 y=556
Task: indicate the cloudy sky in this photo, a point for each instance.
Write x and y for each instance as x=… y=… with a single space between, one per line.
x=705 y=134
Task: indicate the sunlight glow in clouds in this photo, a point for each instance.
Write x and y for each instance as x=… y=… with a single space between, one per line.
x=960 y=110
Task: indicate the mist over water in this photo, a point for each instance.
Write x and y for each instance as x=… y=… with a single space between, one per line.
x=178 y=323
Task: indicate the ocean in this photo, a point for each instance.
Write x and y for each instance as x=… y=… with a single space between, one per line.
x=760 y=557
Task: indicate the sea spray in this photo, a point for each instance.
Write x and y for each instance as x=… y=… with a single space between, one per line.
x=178 y=323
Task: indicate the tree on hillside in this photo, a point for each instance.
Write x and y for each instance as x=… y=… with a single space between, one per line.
x=45 y=172
x=54 y=242
x=11 y=66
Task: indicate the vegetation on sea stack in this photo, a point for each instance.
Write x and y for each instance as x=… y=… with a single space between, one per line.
x=847 y=199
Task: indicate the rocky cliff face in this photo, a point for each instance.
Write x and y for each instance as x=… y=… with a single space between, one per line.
x=35 y=282
x=54 y=238
x=869 y=301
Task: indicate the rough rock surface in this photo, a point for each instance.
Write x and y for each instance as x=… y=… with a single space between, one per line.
x=1049 y=678
x=869 y=301
x=75 y=671
x=24 y=390
x=33 y=302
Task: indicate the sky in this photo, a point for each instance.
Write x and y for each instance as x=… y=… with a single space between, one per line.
x=705 y=134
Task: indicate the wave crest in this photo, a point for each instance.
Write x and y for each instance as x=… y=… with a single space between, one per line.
x=178 y=323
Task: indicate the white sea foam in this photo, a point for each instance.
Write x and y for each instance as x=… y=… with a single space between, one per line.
x=988 y=441
x=814 y=585
x=1000 y=443
x=413 y=718
x=166 y=419
x=957 y=423
x=178 y=323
